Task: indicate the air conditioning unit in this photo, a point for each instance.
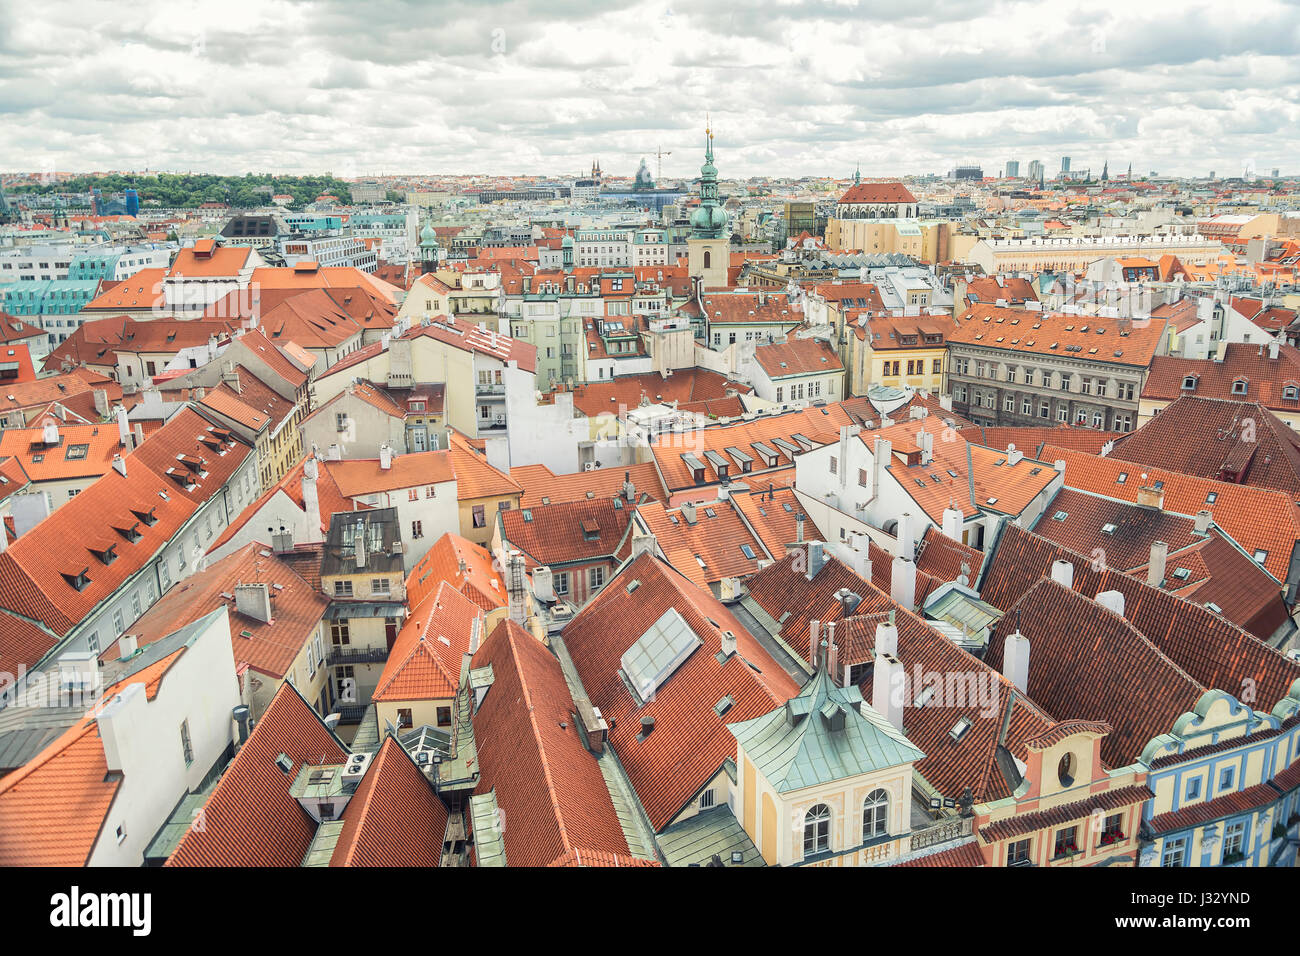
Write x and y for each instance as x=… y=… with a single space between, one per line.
x=356 y=766
x=589 y=466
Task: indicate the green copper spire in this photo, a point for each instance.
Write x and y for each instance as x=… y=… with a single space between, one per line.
x=709 y=219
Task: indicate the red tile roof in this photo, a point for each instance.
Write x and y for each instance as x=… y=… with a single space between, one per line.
x=250 y=819
x=543 y=486
x=394 y=818
x=558 y=534
x=686 y=387
x=547 y=784
x=424 y=662
x=797 y=357
x=468 y=567
x=475 y=476
x=1024 y=332
x=885 y=192
x=709 y=549
x=689 y=742
x=357 y=477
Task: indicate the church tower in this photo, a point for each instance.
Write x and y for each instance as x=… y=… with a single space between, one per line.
x=428 y=249
x=708 y=249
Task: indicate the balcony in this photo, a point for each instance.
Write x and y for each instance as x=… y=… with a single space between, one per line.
x=942 y=832
x=490 y=391
x=496 y=425
x=346 y=654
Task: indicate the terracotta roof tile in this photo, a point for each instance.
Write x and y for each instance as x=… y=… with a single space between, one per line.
x=424 y=662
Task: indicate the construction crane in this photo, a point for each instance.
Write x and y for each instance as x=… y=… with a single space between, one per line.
x=659 y=153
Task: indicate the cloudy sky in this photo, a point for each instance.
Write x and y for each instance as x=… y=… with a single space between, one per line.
x=514 y=87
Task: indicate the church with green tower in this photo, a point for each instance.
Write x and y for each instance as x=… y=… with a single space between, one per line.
x=708 y=251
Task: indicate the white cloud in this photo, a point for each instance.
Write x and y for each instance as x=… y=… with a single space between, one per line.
x=807 y=88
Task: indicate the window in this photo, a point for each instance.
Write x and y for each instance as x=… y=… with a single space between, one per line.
x=340 y=633
x=835 y=465
x=1066 y=841
x=561 y=582
x=417 y=529
x=1018 y=852
x=413 y=494
x=1226 y=777
x=1044 y=410
x=1193 y=788
x=1175 y=853
x=344 y=684
x=343 y=589
x=1239 y=387
x=117 y=622
x=938 y=366
x=1110 y=831
x=444 y=716
x=875 y=815
x=1027 y=407
x=1234 y=840
x=380 y=586
x=817 y=830
x=187 y=747
x=480 y=516
x=430 y=492
x=404 y=718
x=595 y=577
x=862 y=477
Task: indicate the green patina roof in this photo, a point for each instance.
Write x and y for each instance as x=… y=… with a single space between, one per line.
x=820 y=736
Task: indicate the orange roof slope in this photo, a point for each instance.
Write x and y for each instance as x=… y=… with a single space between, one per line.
x=468 y=567
x=543 y=486
x=424 y=663
x=250 y=819
x=357 y=477
x=689 y=742
x=531 y=754
x=394 y=818
x=475 y=477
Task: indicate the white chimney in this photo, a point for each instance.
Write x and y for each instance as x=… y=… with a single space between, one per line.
x=1273 y=349
x=814 y=628
x=906 y=546
x=50 y=433
x=1203 y=520
x=1015 y=660
x=952 y=522
x=861 y=557
x=254 y=600
x=543 y=583
x=119 y=465
x=310 y=502
x=139 y=434
x=1014 y=455
x=123 y=428
x=882 y=453
x=902 y=582
x=1156 y=569
x=1112 y=601
x=888 y=679
x=385 y=457
x=359 y=543
x=728 y=643
x=127 y=645
x=121 y=723
x=816 y=558
x=1063 y=572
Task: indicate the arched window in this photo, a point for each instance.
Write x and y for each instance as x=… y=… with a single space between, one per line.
x=708 y=258
x=817 y=830
x=875 y=815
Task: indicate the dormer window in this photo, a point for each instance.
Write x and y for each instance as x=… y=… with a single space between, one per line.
x=1239 y=386
x=80 y=581
x=1291 y=393
x=1189 y=383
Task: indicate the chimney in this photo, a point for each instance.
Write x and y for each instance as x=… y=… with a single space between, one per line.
x=688 y=511
x=887 y=676
x=254 y=600
x=1156 y=569
x=849 y=601
x=127 y=645
x=121 y=722
x=1014 y=455
x=1273 y=349
x=119 y=465
x=385 y=457
x=101 y=402
x=1112 y=601
x=1015 y=660
x=1063 y=572
x=282 y=540
x=882 y=453
x=629 y=489
x=1203 y=520
x=814 y=628
x=728 y=643
x=902 y=582
x=139 y=434
x=1150 y=497
x=50 y=433
x=123 y=427
x=952 y=522
x=310 y=501
x=647 y=727
x=816 y=558
x=798 y=528
x=925 y=440
x=906 y=546
x=860 y=556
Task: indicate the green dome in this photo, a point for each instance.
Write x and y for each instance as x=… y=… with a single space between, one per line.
x=427 y=235
x=708 y=219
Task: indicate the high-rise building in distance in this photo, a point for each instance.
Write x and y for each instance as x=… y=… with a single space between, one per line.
x=1065 y=164
x=1013 y=168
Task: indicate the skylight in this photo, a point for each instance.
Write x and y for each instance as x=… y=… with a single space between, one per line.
x=657 y=653
x=959 y=729
x=1060 y=516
